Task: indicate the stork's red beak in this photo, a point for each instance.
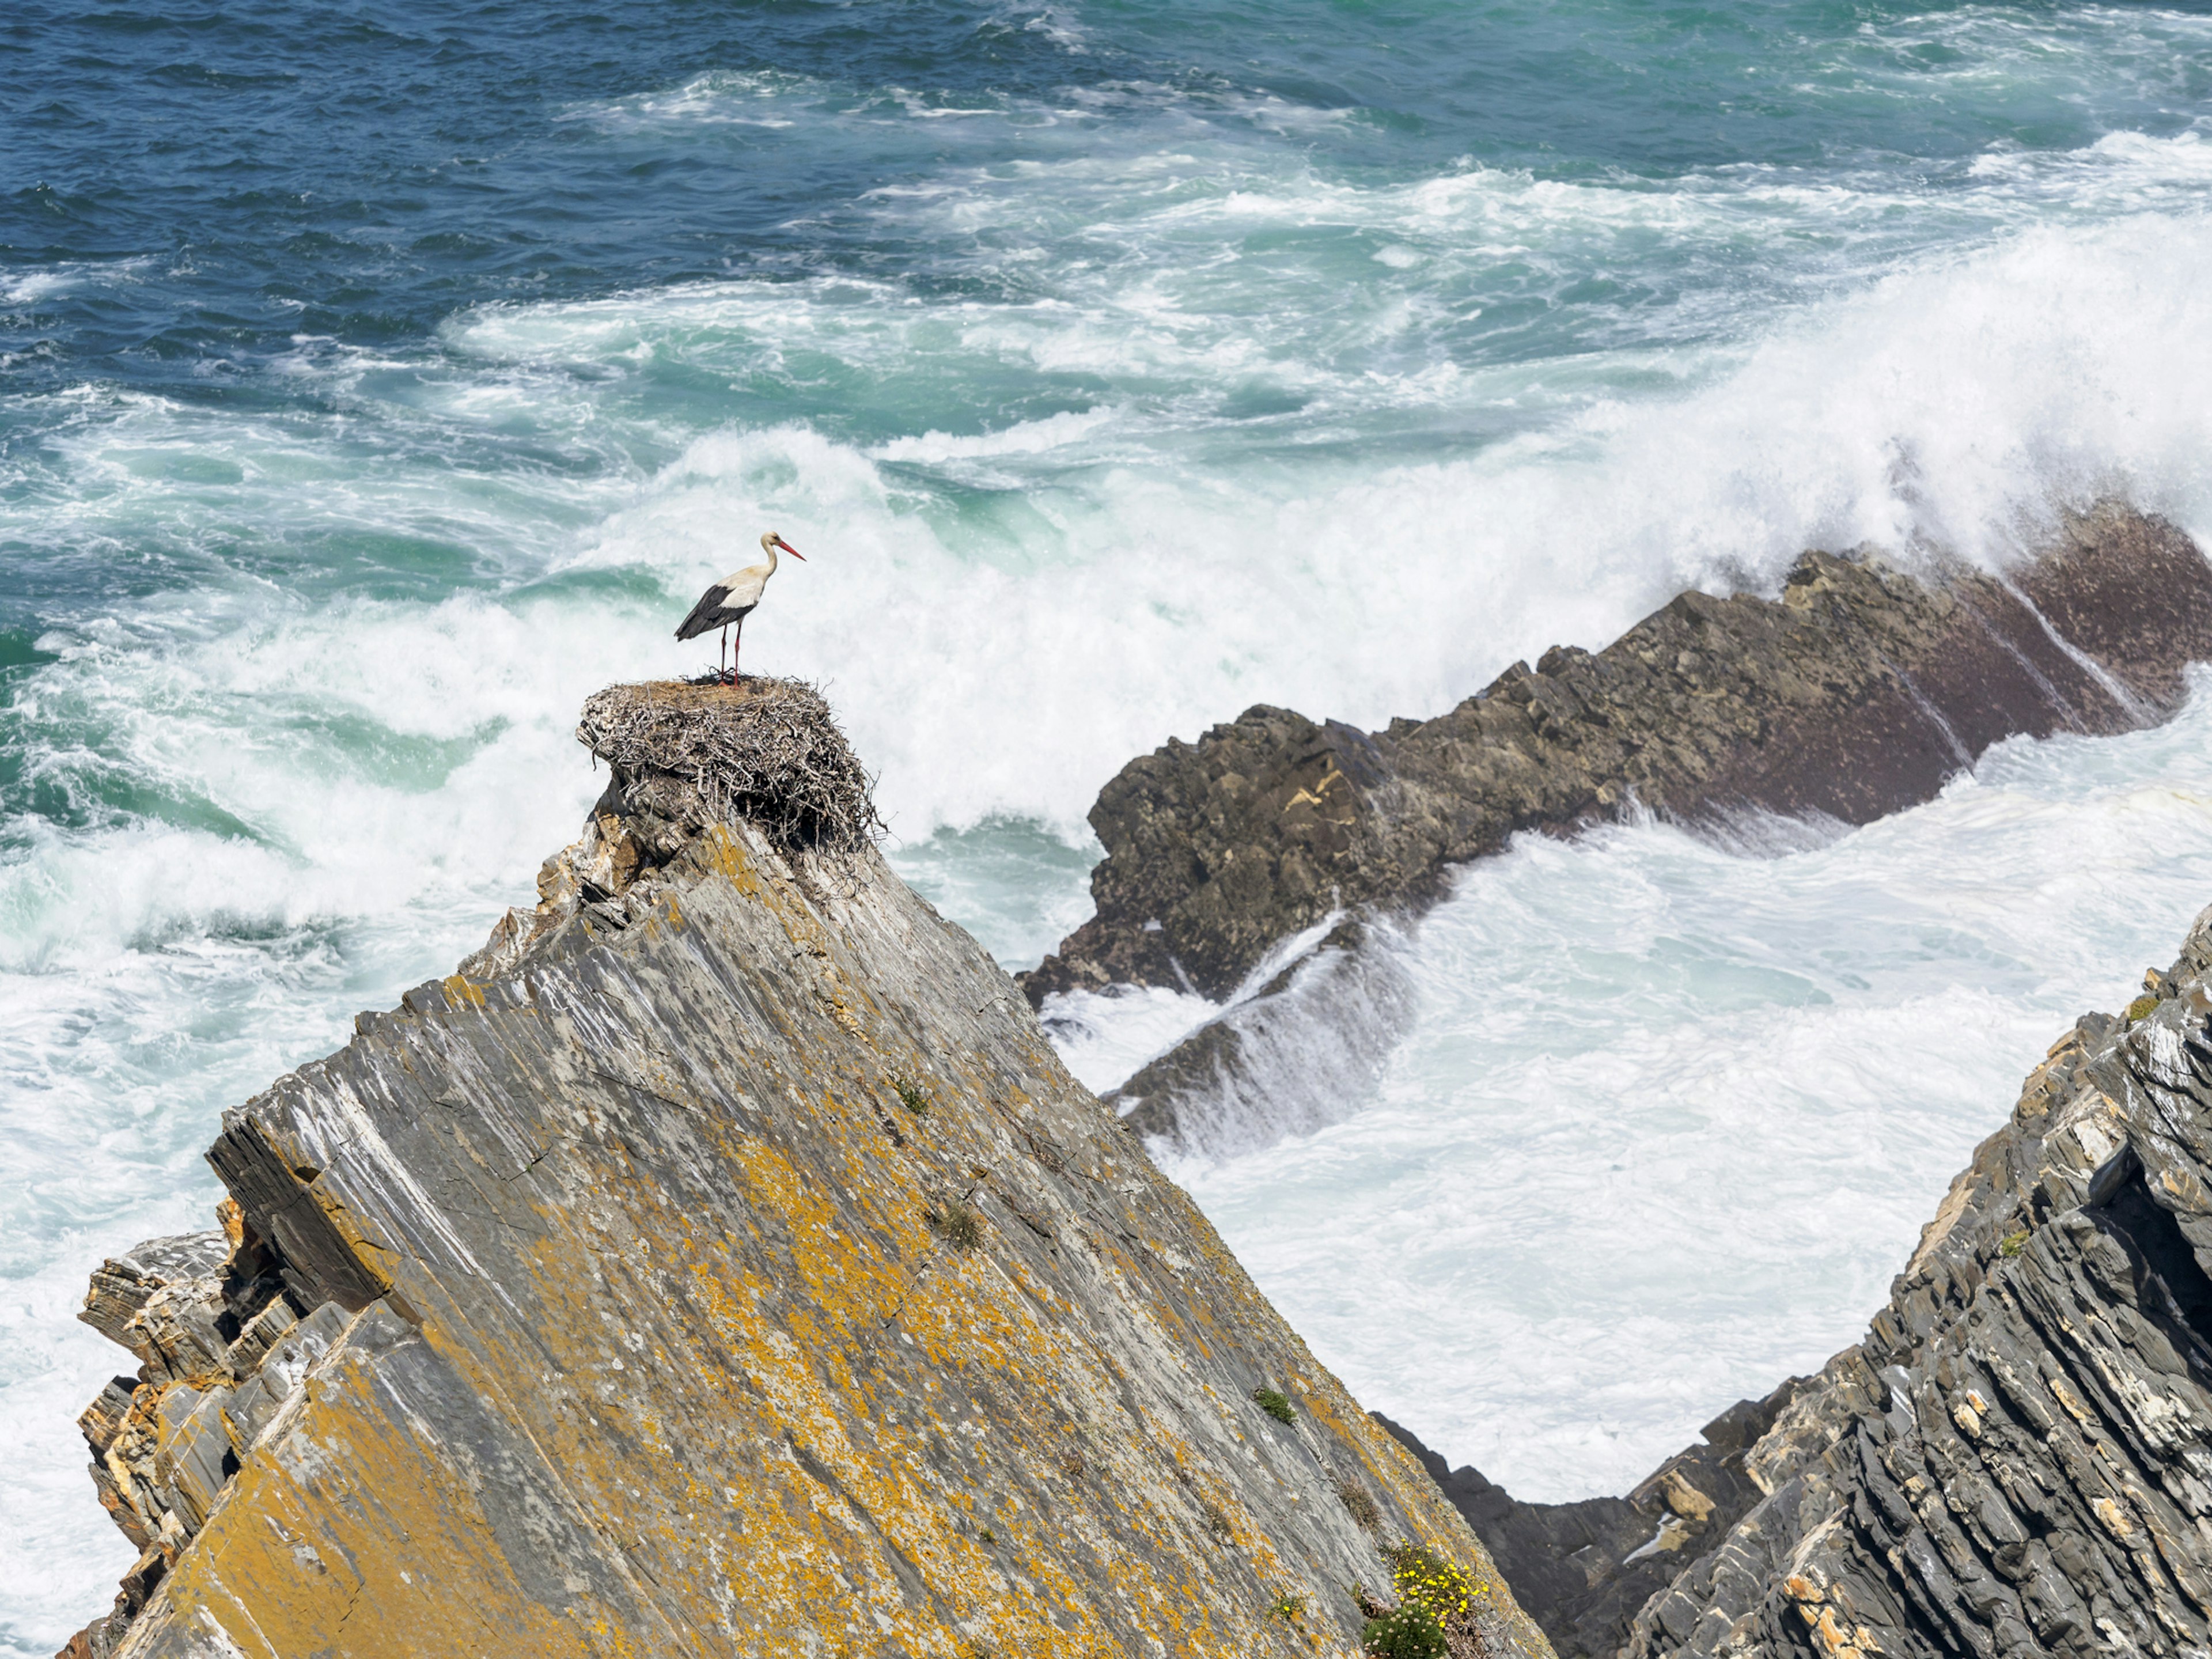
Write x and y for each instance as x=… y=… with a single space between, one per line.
x=789 y=549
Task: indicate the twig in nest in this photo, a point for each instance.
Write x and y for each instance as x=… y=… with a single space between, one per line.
x=765 y=750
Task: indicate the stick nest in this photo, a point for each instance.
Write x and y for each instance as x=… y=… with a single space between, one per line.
x=764 y=750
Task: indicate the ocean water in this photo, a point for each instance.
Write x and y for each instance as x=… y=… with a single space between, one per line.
x=378 y=379
x=1672 y=1115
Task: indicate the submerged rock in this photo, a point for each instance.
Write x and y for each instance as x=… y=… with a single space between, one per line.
x=1856 y=692
x=2015 y=1462
x=723 y=1263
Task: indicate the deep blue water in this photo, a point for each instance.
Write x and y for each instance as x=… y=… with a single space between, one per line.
x=378 y=380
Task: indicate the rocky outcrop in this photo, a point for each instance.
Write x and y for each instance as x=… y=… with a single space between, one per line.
x=222 y=1347
x=2015 y=1462
x=1583 y=1570
x=723 y=1263
x=2018 y=1458
x=1857 y=691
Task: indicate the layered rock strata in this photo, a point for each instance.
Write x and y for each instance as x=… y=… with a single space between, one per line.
x=722 y=1262
x=1583 y=1570
x=2015 y=1462
x=1857 y=691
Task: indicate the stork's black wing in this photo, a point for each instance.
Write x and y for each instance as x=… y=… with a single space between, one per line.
x=702 y=615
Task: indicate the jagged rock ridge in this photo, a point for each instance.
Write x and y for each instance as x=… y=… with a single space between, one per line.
x=2015 y=1462
x=724 y=1263
x=1857 y=691
x=1583 y=1570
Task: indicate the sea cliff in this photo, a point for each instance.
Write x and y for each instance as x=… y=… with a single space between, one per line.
x=721 y=1262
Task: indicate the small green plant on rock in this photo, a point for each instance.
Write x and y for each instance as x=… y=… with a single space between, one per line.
x=1277 y=1405
x=912 y=1094
x=2014 y=1243
x=1435 y=1615
x=957 y=1222
x=1407 y=1632
x=1425 y=1579
x=1288 y=1608
x=2141 y=1006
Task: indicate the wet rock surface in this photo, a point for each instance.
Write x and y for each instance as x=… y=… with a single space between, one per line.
x=2017 y=1460
x=1857 y=691
x=723 y=1263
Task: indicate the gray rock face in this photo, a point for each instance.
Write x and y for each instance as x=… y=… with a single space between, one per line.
x=1856 y=692
x=163 y=1300
x=1583 y=1570
x=221 y=1347
x=2017 y=1461
x=724 y=1263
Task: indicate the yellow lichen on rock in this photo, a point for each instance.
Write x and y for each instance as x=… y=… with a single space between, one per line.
x=662 y=1338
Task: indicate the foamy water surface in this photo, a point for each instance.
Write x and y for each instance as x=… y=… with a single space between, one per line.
x=1672 y=1114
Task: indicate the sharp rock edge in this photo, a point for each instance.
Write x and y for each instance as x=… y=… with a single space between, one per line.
x=723 y=1263
x=1857 y=691
x=2017 y=1460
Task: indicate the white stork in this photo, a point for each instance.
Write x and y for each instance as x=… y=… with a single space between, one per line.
x=731 y=600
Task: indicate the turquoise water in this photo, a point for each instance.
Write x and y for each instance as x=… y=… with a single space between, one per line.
x=377 y=380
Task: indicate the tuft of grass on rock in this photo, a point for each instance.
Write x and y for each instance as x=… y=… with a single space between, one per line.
x=911 y=1093
x=1288 y=1608
x=1276 y=1404
x=958 y=1223
x=2014 y=1243
x=1363 y=1509
x=2141 y=1007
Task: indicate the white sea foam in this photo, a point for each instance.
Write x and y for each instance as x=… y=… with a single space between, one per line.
x=1107 y=1035
x=1304 y=1057
x=1023 y=438
x=30 y=288
x=1950 y=405
x=720 y=97
x=1058 y=24
x=1103 y=1036
x=1671 y=1115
